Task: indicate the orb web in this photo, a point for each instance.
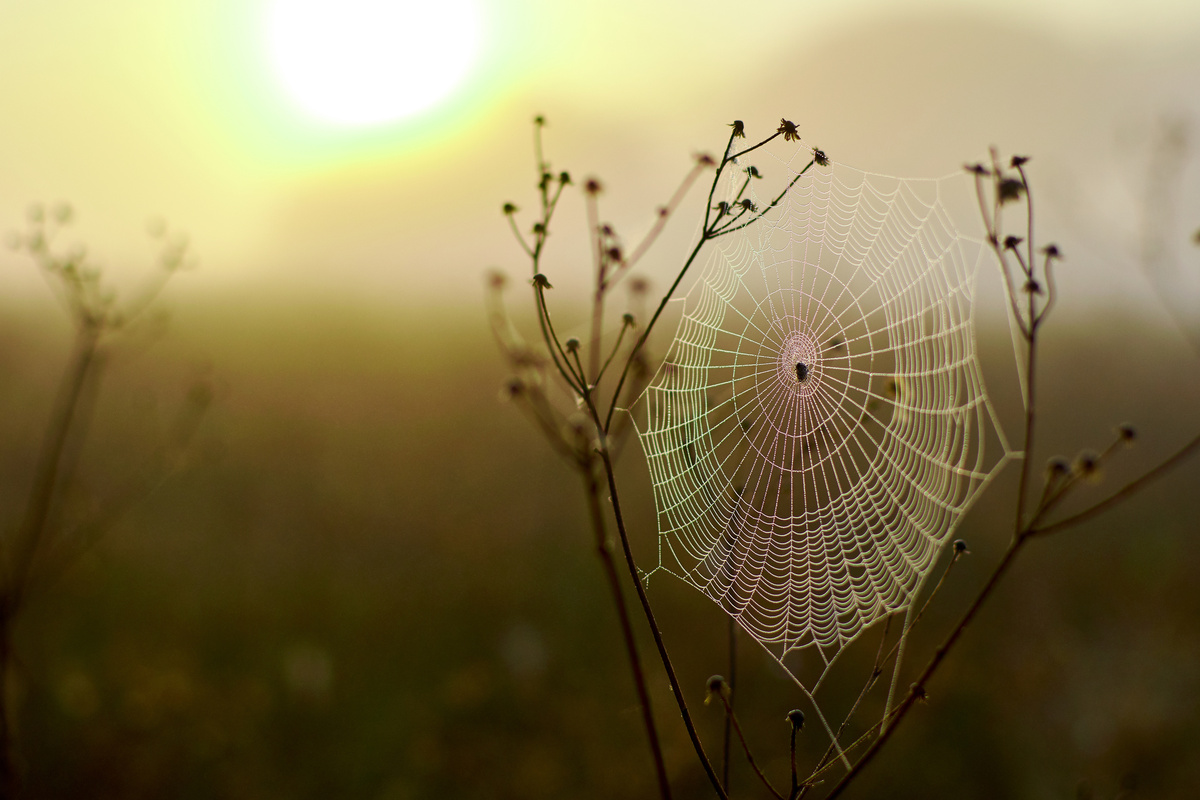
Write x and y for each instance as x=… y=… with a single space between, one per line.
x=820 y=423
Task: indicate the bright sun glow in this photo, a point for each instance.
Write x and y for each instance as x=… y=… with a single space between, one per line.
x=368 y=62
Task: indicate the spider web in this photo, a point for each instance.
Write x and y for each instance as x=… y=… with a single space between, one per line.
x=820 y=424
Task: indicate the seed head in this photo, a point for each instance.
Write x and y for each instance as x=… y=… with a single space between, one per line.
x=788 y=129
x=509 y=208
x=1011 y=242
x=796 y=717
x=747 y=205
x=572 y=345
x=717 y=687
x=1018 y=161
x=1010 y=189
x=593 y=186
x=753 y=172
x=541 y=281
x=820 y=157
x=628 y=319
x=739 y=129
x=1127 y=434
x=1051 y=251
x=960 y=547
x=564 y=178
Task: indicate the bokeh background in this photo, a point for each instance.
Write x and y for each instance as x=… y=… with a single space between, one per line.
x=370 y=578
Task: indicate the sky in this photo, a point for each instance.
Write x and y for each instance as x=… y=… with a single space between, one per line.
x=134 y=110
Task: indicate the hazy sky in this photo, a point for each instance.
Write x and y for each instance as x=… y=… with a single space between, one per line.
x=132 y=109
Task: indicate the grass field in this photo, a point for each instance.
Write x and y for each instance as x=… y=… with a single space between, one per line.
x=371 y=579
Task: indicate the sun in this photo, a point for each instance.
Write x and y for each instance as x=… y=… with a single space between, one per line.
x=359 y=63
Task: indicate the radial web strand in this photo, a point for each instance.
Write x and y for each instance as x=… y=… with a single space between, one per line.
x=820 y=423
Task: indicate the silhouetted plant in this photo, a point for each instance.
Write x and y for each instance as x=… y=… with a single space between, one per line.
x=44 y=542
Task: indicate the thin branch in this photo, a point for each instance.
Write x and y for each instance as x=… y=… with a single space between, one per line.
x=604 y=551
x=1123 y=493
x=741 y=153
x=730 y=717
x=774 y=203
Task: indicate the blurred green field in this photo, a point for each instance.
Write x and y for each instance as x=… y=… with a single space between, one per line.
x=372 y=580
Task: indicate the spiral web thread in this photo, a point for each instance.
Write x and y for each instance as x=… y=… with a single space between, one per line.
x=820 y=424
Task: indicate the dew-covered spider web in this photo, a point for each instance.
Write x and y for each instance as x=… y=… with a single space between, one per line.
x=820 y=424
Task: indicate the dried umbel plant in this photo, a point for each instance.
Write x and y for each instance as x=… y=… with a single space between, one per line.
x=571 y=388
x=44 y=542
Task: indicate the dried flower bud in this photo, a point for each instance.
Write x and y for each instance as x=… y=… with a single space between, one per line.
x=572 y=345
x=539 y=228
x=513 y=389
x=614 y=253
x=593 y=186
x=919 y=693
x=739 y=128
x=788 y=129
x=539 y=120
x=509 y=208
x=722 y=208
x=796 y=717
x=705 y=160
x=977 y=169
x=1087 y=465
x=606 y=230
x=1010 y=189
x=716 y=687
x=753 y=172
x=1126 y=433
x=1018 y=161
x=747 y=205
x=820 y=157
x=1057 y=467
x=663 y=211
x=628 y=319
x=1051 y=251
x=541 y=281
x=1032 y=287
x=1011 y=242
x=960 y=546
x=639 y=285
x=497 y=279
x=564 y=178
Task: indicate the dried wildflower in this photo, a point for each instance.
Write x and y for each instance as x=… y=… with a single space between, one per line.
x=1126 y=433
x=663 y=211
x=716 y=687
x=722 y=208
x=593 y=186
x=820 y=157
x=1010 y=189
x=509 y=208
x=753 y=172
x=497 y=279
x=572 y=345
x=1018 y=161
x=539 y=120
x=1087 y=465
x=977 y=169
x=796 y=717
x=628 y=319
x=788 y=129
x=513 y=388
x=1011 y=242
x=1056 y=468
x=919 y=693
x=705 y=160
x=564 y=178
x=739 y=128
x=541 y=281
x=1032 y=287
x=539 y=228
x=1051 y=251
x=639 y=285
x=613 y=253
x=747 y=205
x=960 y=548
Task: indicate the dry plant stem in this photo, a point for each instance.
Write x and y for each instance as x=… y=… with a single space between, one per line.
x=732 y=719
x=653 y=623
x=30 y=537
x=604 y=551
x=1122 y=494
x=729 y=706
